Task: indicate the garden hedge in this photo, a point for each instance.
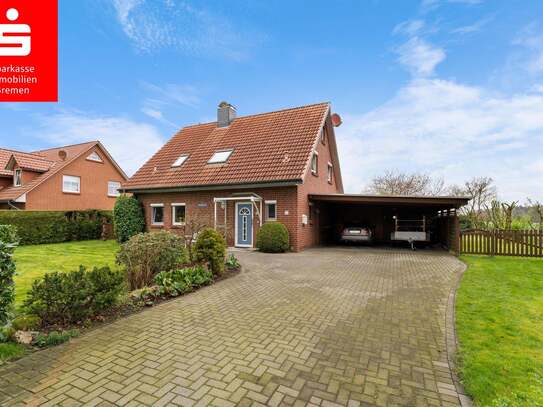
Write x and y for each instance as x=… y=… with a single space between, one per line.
x=37 y=227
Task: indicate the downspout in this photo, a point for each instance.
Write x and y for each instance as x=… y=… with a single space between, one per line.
x=13 y=206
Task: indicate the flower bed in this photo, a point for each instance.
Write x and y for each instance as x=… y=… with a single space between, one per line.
x=61 y=305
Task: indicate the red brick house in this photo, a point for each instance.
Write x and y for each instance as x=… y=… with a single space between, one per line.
x=239 y=172
x=75 y=177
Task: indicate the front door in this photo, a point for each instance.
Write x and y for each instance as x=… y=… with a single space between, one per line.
x=244 y=224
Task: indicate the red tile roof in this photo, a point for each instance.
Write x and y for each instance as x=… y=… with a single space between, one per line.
x=267 y=147
x=38 y=159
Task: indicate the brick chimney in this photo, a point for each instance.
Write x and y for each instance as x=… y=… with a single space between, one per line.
x=226 y=113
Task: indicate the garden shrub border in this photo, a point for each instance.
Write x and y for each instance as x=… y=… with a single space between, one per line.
x=38 y=227
x=57 y=334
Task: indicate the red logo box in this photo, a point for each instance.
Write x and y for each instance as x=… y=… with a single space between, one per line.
x=29 y=51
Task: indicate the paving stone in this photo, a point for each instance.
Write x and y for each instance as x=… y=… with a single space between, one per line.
x=326 y=327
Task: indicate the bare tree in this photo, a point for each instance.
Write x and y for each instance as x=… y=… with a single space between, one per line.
x=481 y=192
x=399 y=183
x=500 y=214
x=197 y=221
x=537 y=210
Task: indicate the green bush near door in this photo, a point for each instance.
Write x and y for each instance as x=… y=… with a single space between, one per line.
x=272 y=238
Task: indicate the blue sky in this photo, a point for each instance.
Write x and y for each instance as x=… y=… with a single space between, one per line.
x=453 y=88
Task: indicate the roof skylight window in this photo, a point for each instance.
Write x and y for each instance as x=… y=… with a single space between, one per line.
x=179 y=162
x=220 y=157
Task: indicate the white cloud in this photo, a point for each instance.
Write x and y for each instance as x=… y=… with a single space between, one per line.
x=155 y=114
x=173 y=24
x=472 y=28
x=451 y=130
x=130 y=143
x=409 y=27
x=420 y=57
x=168 y=96
x=530 y=40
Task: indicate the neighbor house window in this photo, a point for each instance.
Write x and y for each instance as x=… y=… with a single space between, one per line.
x=271 y=210
x=157 y=213
x=315 y=163
x=178 y=214
x=113 y=188
x=220 y=157
x=94 y=157
x=71 y=184
x=330 y=172
x=179 y=162
x=17 y=178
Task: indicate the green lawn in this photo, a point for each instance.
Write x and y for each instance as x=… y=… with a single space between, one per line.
x=499 y=321
x=34 y=261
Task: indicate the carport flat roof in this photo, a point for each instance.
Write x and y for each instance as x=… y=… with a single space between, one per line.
x=442 y=201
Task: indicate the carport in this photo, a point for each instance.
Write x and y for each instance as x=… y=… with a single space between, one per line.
x=386 y=214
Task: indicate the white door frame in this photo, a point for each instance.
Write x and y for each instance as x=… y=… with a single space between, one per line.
x=236 y=224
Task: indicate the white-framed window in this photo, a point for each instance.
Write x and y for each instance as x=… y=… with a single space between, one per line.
x=179 y=162
x=95 y=157
x=324 y=135
x=330 y=172
x=113 y=188
x=178 y=214
x=271 y=210
x=220 y=156
x=71 y=184
x=18 y=178
x=315 y=163
x=157 y=214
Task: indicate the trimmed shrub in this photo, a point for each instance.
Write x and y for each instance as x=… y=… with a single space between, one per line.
x=26 y=323
x=68 y=298
x=272 y=238
x=106 y=287
x=38 y=227
x=147 y=254
x=7 y=271
x=6 y=334
x=210 y=248
x=128 y=218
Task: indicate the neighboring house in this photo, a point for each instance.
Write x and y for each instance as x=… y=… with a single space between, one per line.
x=239 y=172
x=76 y=177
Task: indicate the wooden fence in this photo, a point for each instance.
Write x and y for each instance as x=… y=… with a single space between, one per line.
x=524 y=243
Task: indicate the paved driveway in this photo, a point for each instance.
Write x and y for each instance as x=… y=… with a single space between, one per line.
x=324 y=327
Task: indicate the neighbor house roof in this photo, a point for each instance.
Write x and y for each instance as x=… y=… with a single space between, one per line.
x=47 y=162
x=267 y=147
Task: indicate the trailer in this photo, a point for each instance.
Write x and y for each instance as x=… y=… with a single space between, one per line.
x=410 y=230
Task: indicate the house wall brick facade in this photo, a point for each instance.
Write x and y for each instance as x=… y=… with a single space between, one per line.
x=292 y=203
x=309 y=235
x=48 y=196
x=286 y=198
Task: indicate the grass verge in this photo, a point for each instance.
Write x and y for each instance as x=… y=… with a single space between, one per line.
x=499 y=322
x=33 y=262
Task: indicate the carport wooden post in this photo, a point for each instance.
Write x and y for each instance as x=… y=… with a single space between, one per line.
x=457 y=233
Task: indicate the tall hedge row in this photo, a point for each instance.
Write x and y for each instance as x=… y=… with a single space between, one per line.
x=37 y=227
